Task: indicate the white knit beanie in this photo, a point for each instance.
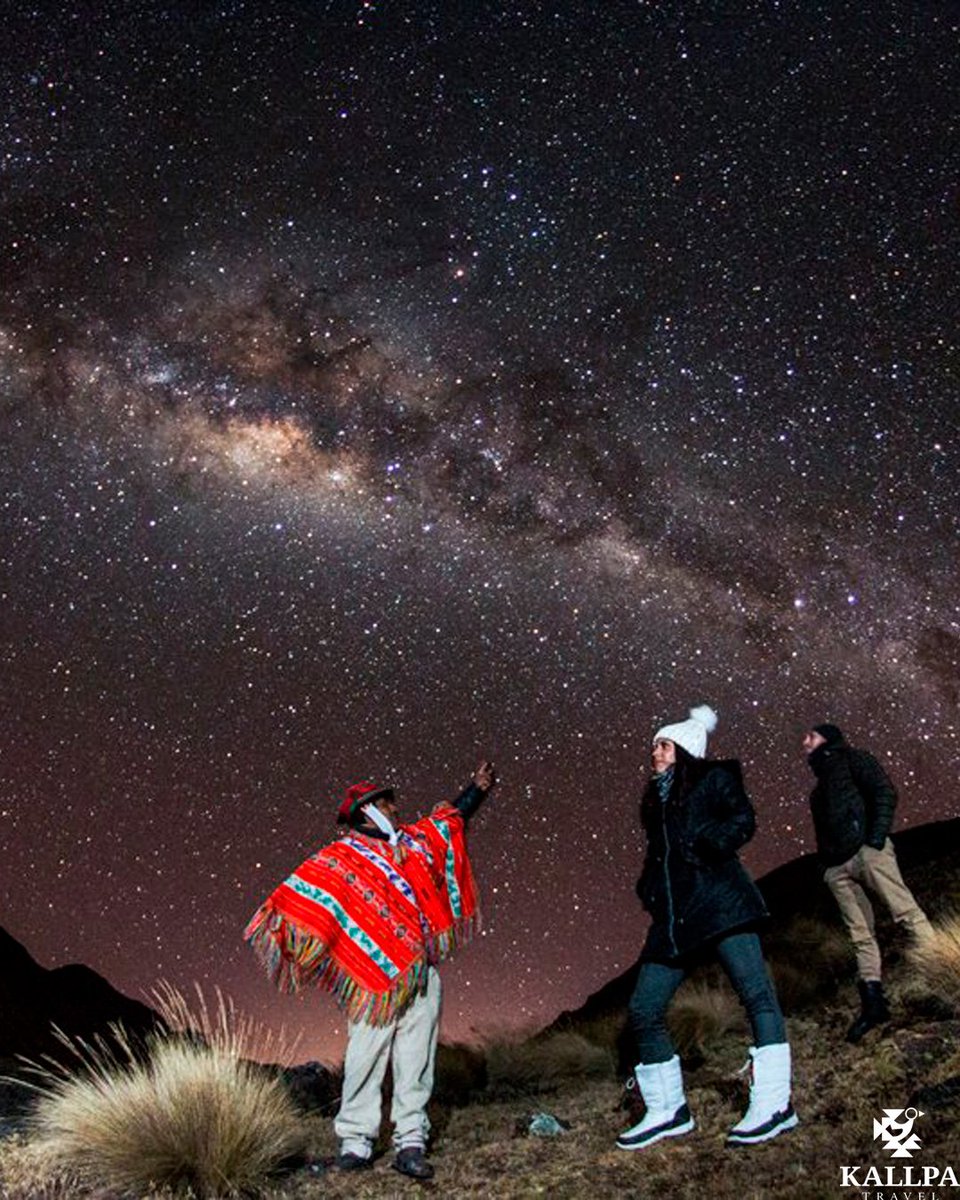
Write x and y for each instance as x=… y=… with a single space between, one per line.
x=691 y=734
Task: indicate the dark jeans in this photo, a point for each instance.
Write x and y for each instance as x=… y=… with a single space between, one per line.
x=742 y=959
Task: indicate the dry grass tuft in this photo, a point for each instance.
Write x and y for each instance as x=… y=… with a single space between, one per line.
x=937 y=958
x=808 y=961
x=191 y=1114
x=543 y=1064
x=604 y=1030
x=700 y=1014
x=461 y=1073
x=22 y=1178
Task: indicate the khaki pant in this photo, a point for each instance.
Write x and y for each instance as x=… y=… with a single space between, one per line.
x=878 y=871
x=409 y=1043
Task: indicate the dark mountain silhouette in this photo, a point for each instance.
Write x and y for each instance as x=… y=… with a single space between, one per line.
x=73 y=998
x=929 y=857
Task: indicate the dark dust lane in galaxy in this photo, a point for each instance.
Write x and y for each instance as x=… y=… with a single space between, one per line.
x=385 y=386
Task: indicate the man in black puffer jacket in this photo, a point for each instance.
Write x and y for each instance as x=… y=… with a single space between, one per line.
x=852 y=807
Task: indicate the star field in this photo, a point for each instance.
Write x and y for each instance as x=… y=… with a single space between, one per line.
x=384 y=387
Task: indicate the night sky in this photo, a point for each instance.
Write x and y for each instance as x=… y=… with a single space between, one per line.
x=390 y=386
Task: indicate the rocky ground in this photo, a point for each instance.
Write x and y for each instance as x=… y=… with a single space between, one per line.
x=839 y=1090
x=481 y=1149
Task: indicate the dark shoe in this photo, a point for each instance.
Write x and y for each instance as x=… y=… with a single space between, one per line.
x=413 y=1162
x=873 y=1010
x=353 y=1162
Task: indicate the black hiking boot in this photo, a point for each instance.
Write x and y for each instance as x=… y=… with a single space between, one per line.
x=873 y=1009
x=413 y=1162
x=353 y=1162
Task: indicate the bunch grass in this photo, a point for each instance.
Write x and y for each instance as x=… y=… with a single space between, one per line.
x=936 y=958
x=188 y=1111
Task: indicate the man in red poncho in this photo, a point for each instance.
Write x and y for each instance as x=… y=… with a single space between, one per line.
x=369 y=917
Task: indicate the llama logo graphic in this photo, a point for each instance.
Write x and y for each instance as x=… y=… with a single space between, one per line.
x=896 y=1129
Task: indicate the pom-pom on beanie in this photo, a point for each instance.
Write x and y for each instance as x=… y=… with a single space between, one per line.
x=692 y=733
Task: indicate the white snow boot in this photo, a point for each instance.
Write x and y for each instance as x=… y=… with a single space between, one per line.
x=770 y=1112
x=667 y=1115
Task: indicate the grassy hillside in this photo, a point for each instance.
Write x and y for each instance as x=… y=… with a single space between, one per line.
x=479 y=1152
x=484 y=1098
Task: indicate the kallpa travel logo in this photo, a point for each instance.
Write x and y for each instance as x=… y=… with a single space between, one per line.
x=898 y=1136
x=909 y=1181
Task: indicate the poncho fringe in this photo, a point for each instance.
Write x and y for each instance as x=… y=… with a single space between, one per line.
x=429 y=896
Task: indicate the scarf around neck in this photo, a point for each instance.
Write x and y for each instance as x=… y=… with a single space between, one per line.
x=664 y=781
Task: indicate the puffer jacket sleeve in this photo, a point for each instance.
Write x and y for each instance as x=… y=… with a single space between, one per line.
x=731 y=821
x=469 y=800
x=879 y=797
x=652 y=836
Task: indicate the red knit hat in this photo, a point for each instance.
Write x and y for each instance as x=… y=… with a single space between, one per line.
x=357 y=795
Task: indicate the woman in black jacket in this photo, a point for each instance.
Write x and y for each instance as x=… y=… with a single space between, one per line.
x=696 y=816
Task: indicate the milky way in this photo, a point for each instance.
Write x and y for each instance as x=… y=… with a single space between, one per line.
x=386 y=386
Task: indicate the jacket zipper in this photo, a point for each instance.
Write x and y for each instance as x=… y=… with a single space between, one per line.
x=666 y=874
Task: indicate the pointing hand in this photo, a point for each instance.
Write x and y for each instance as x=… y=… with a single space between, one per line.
x=485 y=777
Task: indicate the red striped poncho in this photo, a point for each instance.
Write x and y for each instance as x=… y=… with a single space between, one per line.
x=364 y=920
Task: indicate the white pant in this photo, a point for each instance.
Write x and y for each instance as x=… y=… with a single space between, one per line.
x=409 y=1043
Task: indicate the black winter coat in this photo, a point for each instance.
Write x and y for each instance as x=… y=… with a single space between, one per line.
x=693 y=885
x=852 y=804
